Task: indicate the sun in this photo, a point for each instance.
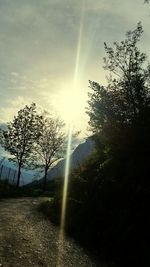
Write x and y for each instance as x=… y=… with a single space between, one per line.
x=71 y=104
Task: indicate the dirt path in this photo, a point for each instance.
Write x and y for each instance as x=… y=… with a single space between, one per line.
x=28 y=239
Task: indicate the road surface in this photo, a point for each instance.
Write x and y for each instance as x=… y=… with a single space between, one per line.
x=28 y=239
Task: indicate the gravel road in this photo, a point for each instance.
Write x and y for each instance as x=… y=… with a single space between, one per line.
x=28 y=239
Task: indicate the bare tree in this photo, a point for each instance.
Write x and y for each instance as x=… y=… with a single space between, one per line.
x=48 y=149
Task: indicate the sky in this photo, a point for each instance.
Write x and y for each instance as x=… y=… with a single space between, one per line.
x=49 y=49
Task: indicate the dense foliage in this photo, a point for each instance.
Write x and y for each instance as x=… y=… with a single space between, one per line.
x=109 y=195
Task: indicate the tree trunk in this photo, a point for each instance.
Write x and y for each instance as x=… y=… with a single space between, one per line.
x=1 y=171
x=19 y=174
x=45 y=178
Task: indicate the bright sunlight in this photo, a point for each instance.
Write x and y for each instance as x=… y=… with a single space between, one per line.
x=71 y=104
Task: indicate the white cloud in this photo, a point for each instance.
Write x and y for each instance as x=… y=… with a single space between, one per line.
x=39 y=42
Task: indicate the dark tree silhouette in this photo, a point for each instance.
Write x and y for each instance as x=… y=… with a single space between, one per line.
x=127 y=95
x=120 y=116
x=109 y=196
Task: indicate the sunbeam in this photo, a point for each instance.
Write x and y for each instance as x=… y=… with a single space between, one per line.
x=65 y=188
x=79 y=44
x=64 y=200
x=67 y=166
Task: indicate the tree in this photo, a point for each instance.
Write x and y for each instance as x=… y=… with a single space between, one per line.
x=20 y=135
x=120 y=116
x=109 y=196
x=127 y=95
x=47 y=150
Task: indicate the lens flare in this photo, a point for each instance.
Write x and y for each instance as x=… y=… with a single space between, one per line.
x=79 y=44
x=64 y=200
x=65 y=189
x=61 y=251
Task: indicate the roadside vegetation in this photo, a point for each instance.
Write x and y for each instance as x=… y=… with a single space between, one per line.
x=8 y=190
x=109 y=195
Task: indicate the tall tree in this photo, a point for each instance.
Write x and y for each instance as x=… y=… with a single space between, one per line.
x=47 y=150
x=127 y=95
x=120 y=114
x=20 y=135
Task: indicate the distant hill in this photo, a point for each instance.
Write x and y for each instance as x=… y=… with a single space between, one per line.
x=8 y=171
x=81 y=152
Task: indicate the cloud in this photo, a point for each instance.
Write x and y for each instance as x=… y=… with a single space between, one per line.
x=11 y=108
x=38 y=44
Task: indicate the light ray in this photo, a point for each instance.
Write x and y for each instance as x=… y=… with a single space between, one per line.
x=67 y=166
x=64 y=200
x=65 y=189
x=79 y=43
